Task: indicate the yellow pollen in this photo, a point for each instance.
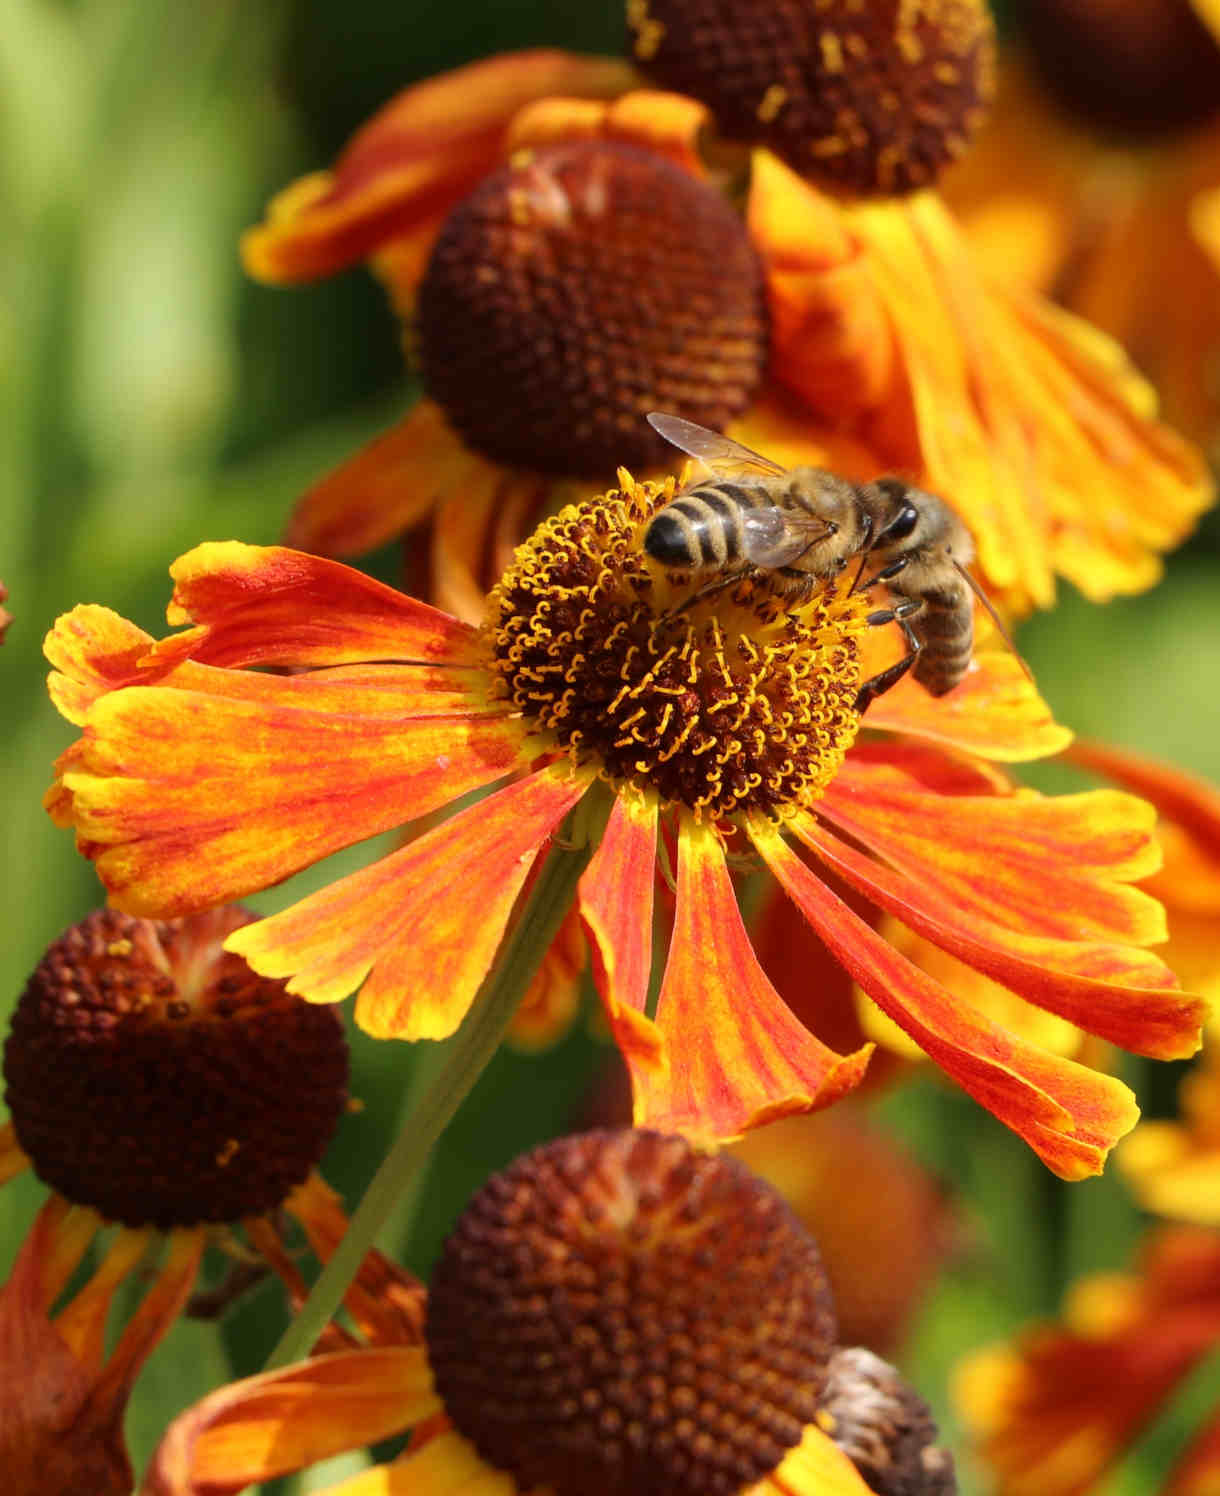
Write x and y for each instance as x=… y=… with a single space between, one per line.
x=734 y=702
x=772 y=102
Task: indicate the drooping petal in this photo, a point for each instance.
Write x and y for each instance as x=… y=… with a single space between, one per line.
x=1119 y=992
x=1058 y=866
x=552 y=1000
x=995 y=712
x=737 y=1056
x=267 y=605
x=421 y=927
x=186 y=799
x=1016 y=412
x=616 y=900
x=466 y=516
x=388 y=486
x=832 y=339
x=1173 y=1168
x=667 y=124
x=1069 y=1115
x=93 y=650
x=282 y=1421
x=426 y=148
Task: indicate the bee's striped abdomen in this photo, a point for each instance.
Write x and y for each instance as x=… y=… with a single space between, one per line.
x=703 y=528
x=946 y=627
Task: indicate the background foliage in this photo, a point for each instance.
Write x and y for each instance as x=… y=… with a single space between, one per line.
x=151 y=398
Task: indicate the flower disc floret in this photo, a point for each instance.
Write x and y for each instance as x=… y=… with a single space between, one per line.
x=734 y=703
x=577 y=288
x=155 y=1077
x=876 y=97
x=617 y=1313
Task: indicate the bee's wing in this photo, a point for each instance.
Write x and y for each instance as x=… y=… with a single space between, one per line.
x=778 y=537
x=977 y=589
x=720 y=453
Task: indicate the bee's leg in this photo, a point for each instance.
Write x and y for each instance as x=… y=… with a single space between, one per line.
x=880 y=683
x=884 y=575
x=709 y=589
x=794 y=586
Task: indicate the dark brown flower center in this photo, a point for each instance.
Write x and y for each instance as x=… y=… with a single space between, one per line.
x=875 y=97
x=1136 y=67
x=618 y=1315
x=153 y=1076
x=734 y=704
x=578 y=288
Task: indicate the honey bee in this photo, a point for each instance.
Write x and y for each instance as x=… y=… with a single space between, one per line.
x=799 y=530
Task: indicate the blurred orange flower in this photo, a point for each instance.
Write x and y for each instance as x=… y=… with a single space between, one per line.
x=888 y=347
x=1052 y=1414
x=1097 y=179
x=197 y=779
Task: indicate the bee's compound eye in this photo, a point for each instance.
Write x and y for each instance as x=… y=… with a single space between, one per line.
x=902 y=524
x=666 y=540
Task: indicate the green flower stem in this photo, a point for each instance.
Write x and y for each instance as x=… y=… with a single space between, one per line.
x=470 y=1051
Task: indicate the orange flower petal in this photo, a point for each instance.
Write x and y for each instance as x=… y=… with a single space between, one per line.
x=815 y=1467
x=1118 y=992
x=414 y=158
x=405 y=922
x=1069 y=1115
x=93 y=651
x=995 y=712
x=668 y=124
x=186 y=800
x=267 y=605
x=552 y=1000
x=831 y=336
x=286 y=1420
x=1056 y=866
x=1190 y=803
x=616 y=901
x=737 y=1056
x=465 y=518
x=388 y=486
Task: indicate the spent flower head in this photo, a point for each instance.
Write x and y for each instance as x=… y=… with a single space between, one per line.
x=614 y=1313
x=161 y=1087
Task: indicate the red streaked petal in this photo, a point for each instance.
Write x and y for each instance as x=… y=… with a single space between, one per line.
x=1068 y=1114
x=389 y=485
x=737 y=1056
x=423 y=924
x=1057 y=866
x=426 y=148
x=286 y=1420
x=267 y=605
x=186 y=800
x=93 y=650
x=616 y=899
x=1119 y=992
x=1177 y=794
x=994 y=712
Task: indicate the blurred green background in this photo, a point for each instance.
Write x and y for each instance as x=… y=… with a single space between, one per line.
x=150 y=398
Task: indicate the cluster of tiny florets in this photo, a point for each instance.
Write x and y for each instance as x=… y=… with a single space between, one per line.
x=876 y=98
x=736 y=705
x=153 y=1076
x=618 y=1315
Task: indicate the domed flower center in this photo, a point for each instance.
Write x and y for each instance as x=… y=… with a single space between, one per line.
x=617 y=1314
x=579 y=287
x=877 y=97
x=729 y=702
x=153 y=1076
x=1136 y=67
